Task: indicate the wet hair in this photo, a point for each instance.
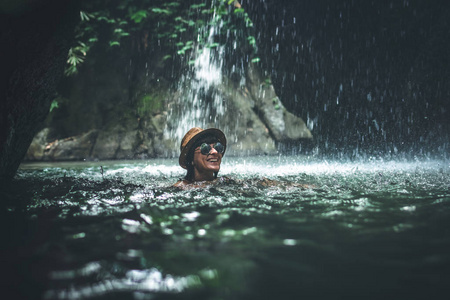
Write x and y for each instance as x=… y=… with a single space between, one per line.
x=190 y=175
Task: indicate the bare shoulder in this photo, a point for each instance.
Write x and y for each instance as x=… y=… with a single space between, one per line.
x=182 y=184
x=185 y=184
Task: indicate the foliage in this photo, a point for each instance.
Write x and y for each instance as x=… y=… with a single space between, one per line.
x=179 y=26
x=54 y=105
x=151 y=102
x=75 y=57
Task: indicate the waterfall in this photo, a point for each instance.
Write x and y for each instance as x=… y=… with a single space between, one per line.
x=225 y=88
x=197 y=102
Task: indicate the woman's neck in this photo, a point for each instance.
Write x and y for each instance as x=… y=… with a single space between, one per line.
x=204 y=176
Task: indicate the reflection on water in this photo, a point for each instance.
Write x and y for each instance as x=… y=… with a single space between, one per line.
x=118 y=230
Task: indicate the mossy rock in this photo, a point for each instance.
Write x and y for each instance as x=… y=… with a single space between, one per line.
x=151 y=103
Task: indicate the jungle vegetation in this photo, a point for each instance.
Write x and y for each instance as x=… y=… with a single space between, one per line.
x=176 y=26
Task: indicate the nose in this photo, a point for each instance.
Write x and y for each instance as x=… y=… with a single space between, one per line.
x=213 y=150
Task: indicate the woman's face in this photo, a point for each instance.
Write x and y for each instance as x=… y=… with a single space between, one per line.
x=206 y=165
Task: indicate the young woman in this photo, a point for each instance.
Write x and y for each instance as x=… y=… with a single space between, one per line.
x=201 y=155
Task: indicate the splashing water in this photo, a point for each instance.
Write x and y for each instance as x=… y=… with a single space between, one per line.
x=376 y=228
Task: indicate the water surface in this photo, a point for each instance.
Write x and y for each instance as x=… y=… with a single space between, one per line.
x=118 y=230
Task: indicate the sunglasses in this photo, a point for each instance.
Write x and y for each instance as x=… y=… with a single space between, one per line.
x=206 y=148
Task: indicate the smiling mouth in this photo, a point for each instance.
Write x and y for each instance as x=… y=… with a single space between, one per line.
x=213 y=160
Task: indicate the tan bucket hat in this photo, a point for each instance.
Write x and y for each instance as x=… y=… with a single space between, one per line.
x=193 y=135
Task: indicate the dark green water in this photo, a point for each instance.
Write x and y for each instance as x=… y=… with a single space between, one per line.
x=371 y=230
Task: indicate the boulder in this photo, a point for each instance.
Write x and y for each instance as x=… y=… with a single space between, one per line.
x=71 y=148
x=283 y=125
x=246 y=132
x=106 y=145
x=157 y=143
x=37 y=147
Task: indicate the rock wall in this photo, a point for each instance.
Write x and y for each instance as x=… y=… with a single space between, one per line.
x=256 y=121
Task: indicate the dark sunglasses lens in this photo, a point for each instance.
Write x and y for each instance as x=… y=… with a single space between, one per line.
x=219 y=147
x=205 y=148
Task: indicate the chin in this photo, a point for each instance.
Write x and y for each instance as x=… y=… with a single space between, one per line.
x=213 y=166
x=215 y=169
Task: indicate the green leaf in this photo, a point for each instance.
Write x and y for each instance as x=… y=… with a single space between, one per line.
x=255 y=60
x=71 y=70
x=187 y=47
x=114 y=43
x=239 y=10
x=53 y=105
x=213 y=45
x=161 y=11
x=138 y=16
x=85 y=16
x=195 y=6
x=221 y=11
x=120 y=32
x=162 y=35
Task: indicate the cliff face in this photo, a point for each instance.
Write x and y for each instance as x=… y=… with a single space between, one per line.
x=111 y=112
